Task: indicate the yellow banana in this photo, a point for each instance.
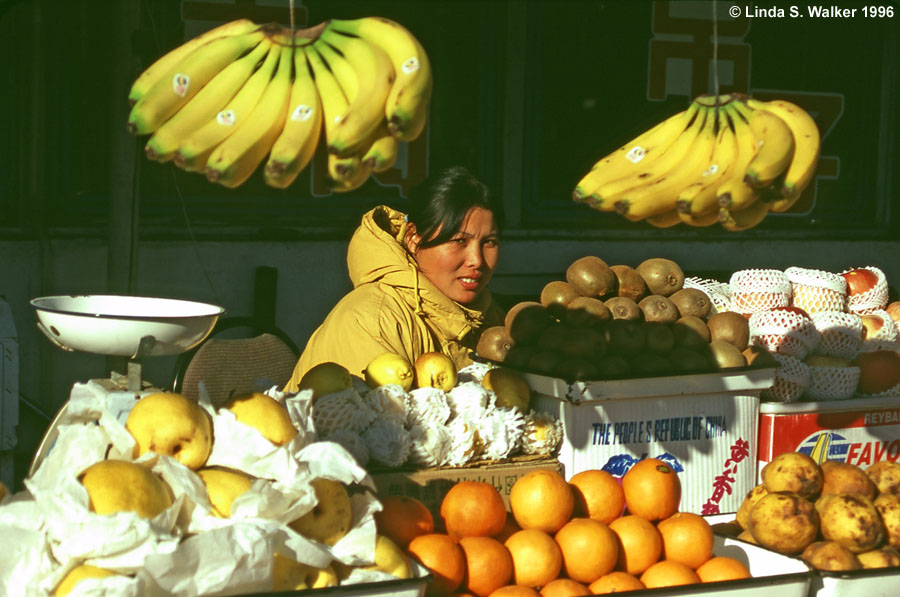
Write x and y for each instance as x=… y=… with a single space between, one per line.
x=807 y=142
x=182 y=82
x=785 y=203
x=664 y=220
x=332 y=99
x=631 y=156
x=341 y=170
x=699 y=198
x=683 y=163
x=196 y=148
x=354 y=178
x=295 y=146
x=743 y=219
x=343 y=71
x=165 y=141
x=375 y=77
x=235 y=159
x=411 y=90
x=382 y=152
x=700 y=221
x=776 y=148
x=153 y=73
x=733 y=192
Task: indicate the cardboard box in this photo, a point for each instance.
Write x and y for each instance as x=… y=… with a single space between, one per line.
x=704 y=425
x=432 y=484
x=860 y=431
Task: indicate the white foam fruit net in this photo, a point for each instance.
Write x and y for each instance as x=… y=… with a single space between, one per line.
x=542 y=433
x=757 y=290
x=832 y=383
x=719 y=293
x=873 y=299
x=888 y=331
x=791 y=380
x=816 y=290
x=785 y=332
x=840 y=333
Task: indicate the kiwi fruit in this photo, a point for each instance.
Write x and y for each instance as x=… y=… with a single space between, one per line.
x=731 y=327
x=757 y=356
x=649 y=364
x=621 y=307
x=662 y=276
x=691 y=332
x=624 y=337
x=659 y=337
x=726 y=355
x=526 y=320
x=612 y=367
x=518 y=356
x=495 y=343
x=575 y=369
x=692 y=301
x=552 y=337
x=631 y=284
x=658 y=308
x=555 y=295
x=591 y=276
x=686 y=360
x=583 y=343
x=586 y=311
x=544 y=361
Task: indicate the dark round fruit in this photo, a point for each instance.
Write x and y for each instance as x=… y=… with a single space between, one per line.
x=731 y=327
x=494 y=343
x=663 y=276
x=621 y=307
x=692 y=301
x=590 y=276
x=526 y=320
x=658 y=308
x=556 y=295
x=631 y=284
x=586 y=311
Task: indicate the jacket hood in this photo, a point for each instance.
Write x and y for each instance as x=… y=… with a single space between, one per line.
x=377 y=255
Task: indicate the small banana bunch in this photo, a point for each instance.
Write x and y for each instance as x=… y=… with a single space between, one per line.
x=242 y=94
x=728 y=160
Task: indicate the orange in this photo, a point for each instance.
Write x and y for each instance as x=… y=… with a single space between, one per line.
x=652 y=489
x=515 y=591
x=640 y=544
x=541 y=500
x=473 y=509
x=443 y=557
x=536 y=557
x=589 y=549
x=667 y=573
x=508 y=529
x=564 y=587
x=598 y=495
x=402 y=519
x=722 y=568
x=687 y=538
x=488 y=565
x=615 y=582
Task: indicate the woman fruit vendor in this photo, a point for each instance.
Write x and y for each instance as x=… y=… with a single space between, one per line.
x=419 y=280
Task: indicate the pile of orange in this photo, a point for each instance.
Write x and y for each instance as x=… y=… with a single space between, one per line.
x=590 y=535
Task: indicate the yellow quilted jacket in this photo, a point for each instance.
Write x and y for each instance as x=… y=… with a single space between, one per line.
x=392 y=307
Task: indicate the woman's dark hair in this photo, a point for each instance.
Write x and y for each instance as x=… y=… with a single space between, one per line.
x=439 y=205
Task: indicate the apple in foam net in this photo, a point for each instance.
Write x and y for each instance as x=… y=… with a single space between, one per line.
x=894 y=311
x=879 y=370
x=872 y=324
x=860 y=280
x=824 y=360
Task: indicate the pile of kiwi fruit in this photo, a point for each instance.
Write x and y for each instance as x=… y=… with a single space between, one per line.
x=615 y=322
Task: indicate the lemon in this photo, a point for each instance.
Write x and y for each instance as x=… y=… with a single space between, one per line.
x=224 y=486
x=325 y=378
x=79 y=573
x=389 y=368
x=117 y=485
x=266 y=415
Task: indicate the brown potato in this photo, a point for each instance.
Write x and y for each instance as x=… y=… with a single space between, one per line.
x=830 y=555
x=886 y=476
x=883 y=557
x=843 y=477
x=784 y=522
x=748 y=537
x=852 y=520
x=793 y=472
x=753 y=496
x=888 y=506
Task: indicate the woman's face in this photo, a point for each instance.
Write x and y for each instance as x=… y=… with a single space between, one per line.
x=461 y=267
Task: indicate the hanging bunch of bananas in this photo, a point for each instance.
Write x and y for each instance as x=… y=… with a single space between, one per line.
x=727 y=160
x=242 y=95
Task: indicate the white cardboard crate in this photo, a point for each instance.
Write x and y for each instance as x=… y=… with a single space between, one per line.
x=704 y=425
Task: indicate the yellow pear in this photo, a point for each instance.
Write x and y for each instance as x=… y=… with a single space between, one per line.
x=511 y=388
x=224 y=486
x=389 y=368
x=390 y=558
x=289 y=575
x=325 y=378
x=118 y=485
x=435 y=370
x=331 y=517
x=173 y=425
x=266 y=415
x=78 y=574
